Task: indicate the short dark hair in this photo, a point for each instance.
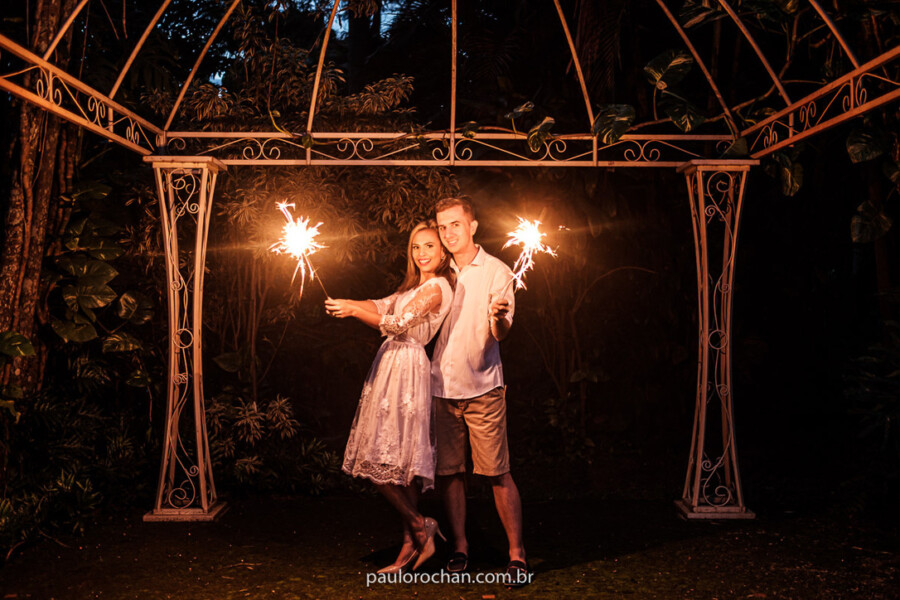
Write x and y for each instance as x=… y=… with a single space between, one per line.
x=463 y=201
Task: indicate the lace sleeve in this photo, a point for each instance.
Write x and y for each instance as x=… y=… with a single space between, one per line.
x=385 y=305
x=414 y=312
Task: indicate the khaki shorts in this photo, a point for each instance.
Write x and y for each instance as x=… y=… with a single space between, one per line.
x=485 y=418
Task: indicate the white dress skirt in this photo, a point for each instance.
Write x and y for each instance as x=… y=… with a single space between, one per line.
x=391 y=439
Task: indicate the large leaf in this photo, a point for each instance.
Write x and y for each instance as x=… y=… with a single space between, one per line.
x=864 y=144
x=520 y=110
x=12 y=391
x=10 y=406
x=693 y=13
x=869 y=223
x=134 y=307
x=229 y=361
x=73 y=332
x=612 y=121
x=89 y=272
x=469 y=129
x=737 y=149
x=540 y=133
x=788 y=6
x=668 y=68
x=892 y=171
x=101 y=248
x=88 y=296
x=121 y=342
x=15 y=344
x=138 y=378
x=684 y=114
x=90 y=190
x=787 y=171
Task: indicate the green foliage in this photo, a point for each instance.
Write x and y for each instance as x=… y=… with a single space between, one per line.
x=664 y=72
x=469 y=129
x=72 y=450
x=872 y=387
x=14 y=344
x=694 y=13
x=520 y=110
x=784 y=167
x=540 y=133
x=869 y=223
x=668 y=69
x=684 y=114
x=259 y=444
x=865 y=144
x=737 y=149
x=612 y=121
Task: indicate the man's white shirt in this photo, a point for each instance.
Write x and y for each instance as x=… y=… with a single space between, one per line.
x=466 y=361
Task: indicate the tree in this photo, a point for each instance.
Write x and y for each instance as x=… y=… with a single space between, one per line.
x=45 y=149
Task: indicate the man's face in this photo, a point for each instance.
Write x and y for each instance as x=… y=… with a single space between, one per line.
x=456 y=229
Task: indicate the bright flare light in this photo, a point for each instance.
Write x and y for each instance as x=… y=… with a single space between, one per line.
x=298 y=240
x=531 y=238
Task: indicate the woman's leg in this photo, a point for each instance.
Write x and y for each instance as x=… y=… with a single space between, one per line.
x=412 y=492
x=406 y=502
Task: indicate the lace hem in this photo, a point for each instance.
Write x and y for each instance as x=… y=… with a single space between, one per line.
x=383 y=474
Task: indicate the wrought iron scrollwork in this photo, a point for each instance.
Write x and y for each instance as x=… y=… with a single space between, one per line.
x=186 y=484
x=712 y=484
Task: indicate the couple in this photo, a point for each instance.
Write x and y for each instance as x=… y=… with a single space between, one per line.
x=393 y=440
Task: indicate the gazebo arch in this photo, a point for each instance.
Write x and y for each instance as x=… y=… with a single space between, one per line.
x=187 y=164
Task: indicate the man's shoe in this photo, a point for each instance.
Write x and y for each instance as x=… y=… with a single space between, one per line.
x=458 y=563
x=517 y=573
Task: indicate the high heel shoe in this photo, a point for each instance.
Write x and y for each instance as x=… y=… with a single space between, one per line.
x=395 y=568
x=427 y=549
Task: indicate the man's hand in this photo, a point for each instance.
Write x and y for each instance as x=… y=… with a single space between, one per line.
x=499 y=309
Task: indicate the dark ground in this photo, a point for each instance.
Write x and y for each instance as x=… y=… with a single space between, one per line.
x=804 y=544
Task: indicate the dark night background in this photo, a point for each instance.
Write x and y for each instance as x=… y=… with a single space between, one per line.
x=816 y=340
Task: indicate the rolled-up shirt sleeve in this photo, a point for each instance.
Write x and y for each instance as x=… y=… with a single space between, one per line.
x=413 y=313
x=500 y=286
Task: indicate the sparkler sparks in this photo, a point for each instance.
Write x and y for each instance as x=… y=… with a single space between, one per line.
x=531 y=238
x=298 y=240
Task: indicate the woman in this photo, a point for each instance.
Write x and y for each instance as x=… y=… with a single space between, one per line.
x=391 y=442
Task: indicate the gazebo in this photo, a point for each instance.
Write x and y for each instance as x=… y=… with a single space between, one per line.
x=187 y=164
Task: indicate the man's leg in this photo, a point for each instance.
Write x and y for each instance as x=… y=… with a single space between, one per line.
x=486 y=418
x=509 y=507
x=453 y=490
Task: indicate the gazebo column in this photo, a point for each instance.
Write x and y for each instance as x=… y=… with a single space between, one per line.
x=712 y=486
x=186 y=491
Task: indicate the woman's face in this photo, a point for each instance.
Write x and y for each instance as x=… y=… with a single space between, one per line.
x=426 y=250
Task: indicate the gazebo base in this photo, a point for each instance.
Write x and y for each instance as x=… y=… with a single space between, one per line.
x=686 y=511
x=187 y=514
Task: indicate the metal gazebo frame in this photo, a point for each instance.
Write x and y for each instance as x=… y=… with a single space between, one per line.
x=187 y=164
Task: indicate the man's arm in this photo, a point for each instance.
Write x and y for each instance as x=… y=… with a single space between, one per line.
x=500 y=325
x=502 y=303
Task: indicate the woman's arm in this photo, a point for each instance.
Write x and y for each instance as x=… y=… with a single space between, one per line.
x=364 y=310
x=425 y=301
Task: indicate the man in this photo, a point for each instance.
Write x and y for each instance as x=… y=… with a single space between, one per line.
x=467 y=384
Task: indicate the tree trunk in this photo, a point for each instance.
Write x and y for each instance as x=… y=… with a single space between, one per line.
x=33 y=185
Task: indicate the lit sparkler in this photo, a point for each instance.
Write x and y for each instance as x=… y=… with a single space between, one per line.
x=529 y=236
x=298 y=239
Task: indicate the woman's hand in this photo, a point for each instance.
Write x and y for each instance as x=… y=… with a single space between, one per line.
x=339 y=308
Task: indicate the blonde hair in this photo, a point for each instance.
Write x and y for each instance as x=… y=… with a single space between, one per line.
x=413 y=273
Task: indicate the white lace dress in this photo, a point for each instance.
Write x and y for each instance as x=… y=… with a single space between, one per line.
x=391 y=440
